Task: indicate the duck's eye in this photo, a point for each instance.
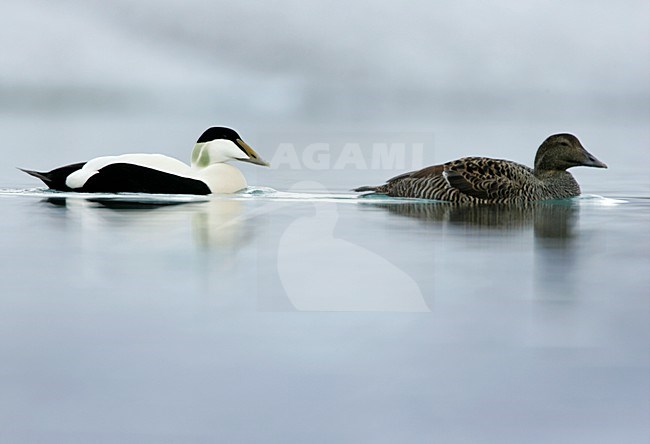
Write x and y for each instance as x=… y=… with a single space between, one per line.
x=564 y=143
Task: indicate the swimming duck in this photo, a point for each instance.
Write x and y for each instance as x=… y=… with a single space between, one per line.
x=487 y=180
x=156 y=173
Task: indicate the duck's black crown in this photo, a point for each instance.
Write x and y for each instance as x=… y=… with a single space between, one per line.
x=218 y=132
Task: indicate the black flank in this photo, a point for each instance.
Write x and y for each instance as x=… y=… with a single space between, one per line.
x=128 y=178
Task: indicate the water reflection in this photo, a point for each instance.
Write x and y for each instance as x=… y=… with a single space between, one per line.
x=215 y=224
x=551 y=220
x=553 y=224
x=309 y=255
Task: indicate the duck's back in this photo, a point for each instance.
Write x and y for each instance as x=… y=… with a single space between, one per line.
x=468 y=180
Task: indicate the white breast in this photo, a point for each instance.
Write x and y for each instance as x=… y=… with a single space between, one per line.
x=222 y=178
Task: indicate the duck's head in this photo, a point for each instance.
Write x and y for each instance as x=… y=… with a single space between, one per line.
x=219 y=144
x=562 y=151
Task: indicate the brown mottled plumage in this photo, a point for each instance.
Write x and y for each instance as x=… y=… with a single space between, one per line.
x=486 y=180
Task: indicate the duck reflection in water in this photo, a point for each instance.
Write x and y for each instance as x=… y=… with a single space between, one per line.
x=551 y=220
x=553 y=224
x=216 y=224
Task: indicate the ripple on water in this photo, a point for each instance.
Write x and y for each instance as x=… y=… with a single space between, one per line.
x=263 y=193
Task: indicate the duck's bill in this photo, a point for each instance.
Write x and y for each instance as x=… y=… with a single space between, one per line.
x=591 y=161
x=253 y=157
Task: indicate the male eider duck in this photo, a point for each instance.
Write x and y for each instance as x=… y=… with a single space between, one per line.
x=156 y=173
x=486 y=180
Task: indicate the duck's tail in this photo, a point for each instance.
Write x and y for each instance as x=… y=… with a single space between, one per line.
x=366 y=188
x=55 y=179
x=43 y=176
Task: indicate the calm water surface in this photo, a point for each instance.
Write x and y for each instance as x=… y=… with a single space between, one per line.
x=309 y=315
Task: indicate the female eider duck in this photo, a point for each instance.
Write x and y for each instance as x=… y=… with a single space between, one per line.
x=156 y=173
x=486 y=180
